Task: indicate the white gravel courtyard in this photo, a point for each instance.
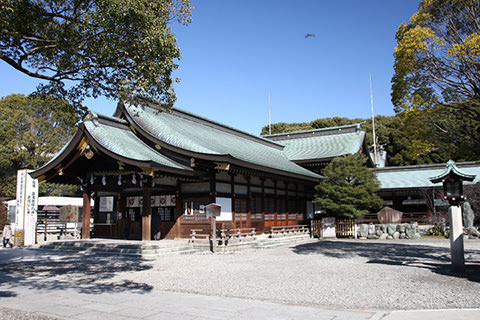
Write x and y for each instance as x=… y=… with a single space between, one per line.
x=349 y=274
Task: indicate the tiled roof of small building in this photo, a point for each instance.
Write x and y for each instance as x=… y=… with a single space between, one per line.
x=321 y=144
x=191 y=133
x=419 y=176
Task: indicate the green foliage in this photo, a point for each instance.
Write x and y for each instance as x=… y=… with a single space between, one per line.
x=349 y=188
x=32 y=131
x=439 y=230
x=437 y=55
x=436 y=85
x=58 y=190
x=123 y=49
x=3 y=214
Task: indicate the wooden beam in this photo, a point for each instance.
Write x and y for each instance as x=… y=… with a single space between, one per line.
x=86 y=216
x=147 y=213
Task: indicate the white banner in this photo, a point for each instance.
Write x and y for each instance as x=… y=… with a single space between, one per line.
x=27 y=204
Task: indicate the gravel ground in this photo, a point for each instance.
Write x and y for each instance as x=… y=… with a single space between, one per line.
x=350 y=274
x=10 y=314
x=347 y=274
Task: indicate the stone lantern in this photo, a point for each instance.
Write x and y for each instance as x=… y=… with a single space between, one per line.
x=452 y=180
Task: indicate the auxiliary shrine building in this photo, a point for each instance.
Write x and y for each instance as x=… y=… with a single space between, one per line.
x=152 y=173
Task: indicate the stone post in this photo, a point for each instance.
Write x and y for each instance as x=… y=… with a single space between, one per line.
x=456 y=238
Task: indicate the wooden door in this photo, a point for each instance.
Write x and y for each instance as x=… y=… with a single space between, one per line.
x=269 y=212
x=242 y=216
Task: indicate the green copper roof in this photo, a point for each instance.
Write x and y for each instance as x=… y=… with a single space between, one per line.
x=321 y=143
x=452 y=170
x=192 y=133
x=419 y=176
x=119 y=139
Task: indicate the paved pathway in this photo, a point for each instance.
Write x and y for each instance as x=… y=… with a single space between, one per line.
x=69 y=304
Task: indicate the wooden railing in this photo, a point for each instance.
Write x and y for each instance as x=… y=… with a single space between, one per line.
x=58 y=228
x=223 y=235
x=239 y=234
x=288 y=230
x=420 y=217
x=200 y=234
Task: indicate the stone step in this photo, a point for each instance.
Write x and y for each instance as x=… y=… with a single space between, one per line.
x=281 y=241
x=119 y=248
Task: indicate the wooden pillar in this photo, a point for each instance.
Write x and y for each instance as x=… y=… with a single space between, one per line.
x=213 y=187
x=86 y=216
x=122 y=225
x=249 y=203
x=232 y=194
x=262 y=209
x=147 y=214
x=178 y=212
x=275 y=203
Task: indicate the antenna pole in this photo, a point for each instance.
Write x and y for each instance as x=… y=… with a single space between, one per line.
x=373 y=125
x=269 y=115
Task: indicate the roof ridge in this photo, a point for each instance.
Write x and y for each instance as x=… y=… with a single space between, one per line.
x=187 y=115
x=323 y=131
x=427 y=166
x=226 y=128
x=96 y=116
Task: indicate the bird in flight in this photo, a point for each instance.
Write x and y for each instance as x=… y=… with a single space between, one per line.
x=309 y=35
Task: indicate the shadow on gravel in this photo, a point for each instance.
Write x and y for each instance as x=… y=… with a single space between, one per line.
x=7 y=294
x=432 y=258
x=85 y=273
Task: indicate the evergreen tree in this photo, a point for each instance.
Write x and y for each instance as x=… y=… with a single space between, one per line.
x=349 y=188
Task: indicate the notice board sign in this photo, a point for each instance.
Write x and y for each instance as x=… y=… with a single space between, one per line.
x=328 y=228
x=27 y=205
x=70 y=214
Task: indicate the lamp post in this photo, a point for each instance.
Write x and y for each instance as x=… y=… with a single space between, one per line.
x=452 y=180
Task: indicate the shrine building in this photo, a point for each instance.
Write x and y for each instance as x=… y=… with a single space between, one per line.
x=152 y=173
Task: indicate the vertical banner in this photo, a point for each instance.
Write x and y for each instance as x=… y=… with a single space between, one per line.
x=27 y=204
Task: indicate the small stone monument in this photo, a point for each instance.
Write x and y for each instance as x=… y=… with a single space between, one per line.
x=389 y=216
x=468 y=215
x=363 y=231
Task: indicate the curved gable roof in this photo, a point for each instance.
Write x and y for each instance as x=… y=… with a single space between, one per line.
x=188 y=133
x=113 y=137
x=321 y=144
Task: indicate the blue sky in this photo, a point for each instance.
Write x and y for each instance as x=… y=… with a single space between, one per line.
x=235 y=52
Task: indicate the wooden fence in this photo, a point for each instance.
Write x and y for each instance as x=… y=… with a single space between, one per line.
x=344 y=228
